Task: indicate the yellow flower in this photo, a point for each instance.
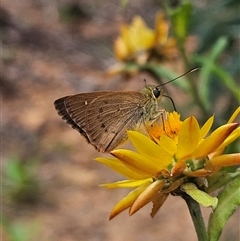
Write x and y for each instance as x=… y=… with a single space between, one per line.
x=176 y=153
x=138 y=42
x=171 y=126
x=134 y=40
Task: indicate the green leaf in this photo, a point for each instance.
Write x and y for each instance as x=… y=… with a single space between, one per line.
x=227 y=80
x=228 y=201
x=199 y=196
x=208 y=64
x=220 y=179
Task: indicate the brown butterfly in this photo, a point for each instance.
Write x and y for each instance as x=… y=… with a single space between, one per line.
x=104 y=117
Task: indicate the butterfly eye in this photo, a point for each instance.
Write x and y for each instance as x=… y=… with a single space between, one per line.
x=156 y=93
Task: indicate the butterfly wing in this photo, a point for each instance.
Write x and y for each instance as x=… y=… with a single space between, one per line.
x=103 y=117
x=78 y=104
x=109 y=118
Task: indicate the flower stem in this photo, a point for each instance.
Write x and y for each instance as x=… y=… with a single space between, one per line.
x=197 y=218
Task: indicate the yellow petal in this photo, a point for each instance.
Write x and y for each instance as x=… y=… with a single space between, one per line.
x=127 y=201
x=120 y=49
x=223 y=161
x=206 y=127
x=234 y=115
x=232 y=137
x=117 y=166
x=162 y=28
x=211 y=143
x=150 y=149
x=188 y=138
x=199 y=173
x=146 y=196
x=136 y=162
x=158 y=201
x=154 y=130
x=168 y=145
x=138 y=36
x=127 y=183
x=172 y=125
x=178 y=168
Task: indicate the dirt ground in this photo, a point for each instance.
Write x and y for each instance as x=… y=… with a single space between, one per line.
x=45 y=57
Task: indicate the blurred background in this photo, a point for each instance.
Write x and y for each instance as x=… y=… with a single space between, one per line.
x=55 y=48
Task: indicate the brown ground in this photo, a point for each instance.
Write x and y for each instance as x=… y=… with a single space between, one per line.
x=44 y=59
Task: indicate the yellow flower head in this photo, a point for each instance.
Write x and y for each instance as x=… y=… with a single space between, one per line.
x=170 y=159
x=137 y=41
x=134 y=40
x=169 y=127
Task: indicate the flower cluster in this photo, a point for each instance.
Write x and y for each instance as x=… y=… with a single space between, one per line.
x=171 y=159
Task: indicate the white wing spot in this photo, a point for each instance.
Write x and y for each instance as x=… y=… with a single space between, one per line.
x=85 y=103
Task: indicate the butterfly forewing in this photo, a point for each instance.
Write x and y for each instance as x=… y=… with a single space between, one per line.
x=62 y=111
x=102 y=117
x=72 y=107
x=76 y=107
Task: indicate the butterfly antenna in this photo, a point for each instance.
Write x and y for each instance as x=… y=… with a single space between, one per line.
x=188 y=72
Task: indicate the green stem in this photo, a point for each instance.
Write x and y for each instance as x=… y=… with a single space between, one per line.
x=197 y=218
